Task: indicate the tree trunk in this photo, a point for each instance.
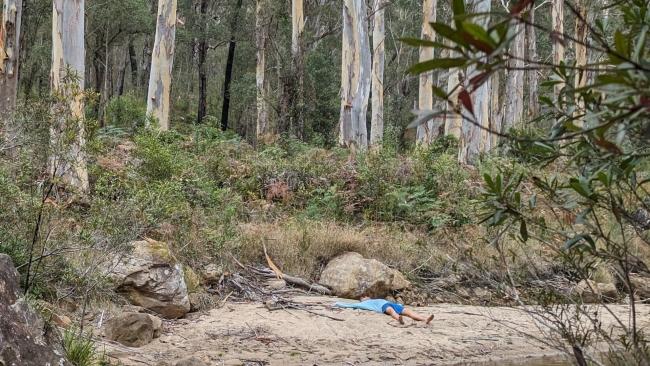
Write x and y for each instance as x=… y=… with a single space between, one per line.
x=473 y=137
x=355 y=75
x=453 y=120
x=9 y=61
x=425 y=133
x=9 y=55
x=133 y=64
x=67 y=158
x=378 y=59
x=533 y=83
x=514 y=93
x=581 y=57
x=122 y=76
x=260 y=69
x=495 y=110
x=162 y=61
x=225 y=108
x=297 y=56
x=203 y=76
x=557 y=20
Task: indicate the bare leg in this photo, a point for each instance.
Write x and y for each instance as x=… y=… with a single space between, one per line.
x=415 y=316
x=390 y=311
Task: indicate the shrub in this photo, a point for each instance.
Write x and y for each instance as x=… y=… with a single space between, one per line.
x=126 y=111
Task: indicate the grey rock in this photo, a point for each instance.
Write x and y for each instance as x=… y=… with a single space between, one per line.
x=133 y=329
x=22 y=337
x=352 y=276
x=151 y=277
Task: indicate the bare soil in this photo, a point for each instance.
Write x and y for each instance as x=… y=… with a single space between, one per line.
x=251 y=334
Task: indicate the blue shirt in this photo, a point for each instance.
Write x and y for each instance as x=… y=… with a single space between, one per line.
x=376 y=305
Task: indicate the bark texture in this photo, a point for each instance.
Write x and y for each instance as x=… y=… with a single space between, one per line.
x=203 y=75
x=453 y=120
x=297 y=86
x=162 y=62
x=260 y=70
x=425 y=133
x=514 y=93
x=9 y=57
x=581 y=56
x=473 y=139
x=557 y=20
x=378 y=61
x=67 y=161
x=355 y=75
x=533 y=81
x=495 y=110
x=230 y=60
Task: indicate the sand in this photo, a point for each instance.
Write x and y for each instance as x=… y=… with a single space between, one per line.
x=250 y=334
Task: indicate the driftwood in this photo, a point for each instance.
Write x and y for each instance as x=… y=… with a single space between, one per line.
x=292 y=280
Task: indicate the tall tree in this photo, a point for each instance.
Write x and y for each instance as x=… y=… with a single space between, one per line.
x=67 y=159
x=581 y=54
x=260 y=69
x=425 y=133
x=533 y=83
x=202 y=53
x=453 y=120
x=557 y=20
x=230 y=60
x=162 y=62
x=514 y=93
x=9 y=56
x=473 y=138
x=355 y=75
x=378 y=60
x=297 y=63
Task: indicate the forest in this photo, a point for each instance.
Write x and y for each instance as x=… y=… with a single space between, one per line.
x=216 y=182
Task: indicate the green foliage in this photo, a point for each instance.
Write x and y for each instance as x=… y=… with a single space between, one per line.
x=79 y=349
x=126 y=111
x=159 y=160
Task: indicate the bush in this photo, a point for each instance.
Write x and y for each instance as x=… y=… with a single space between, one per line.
x=126 y=111
x=79 y=349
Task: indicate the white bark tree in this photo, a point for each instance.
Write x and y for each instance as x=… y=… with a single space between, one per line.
x=557 y=20
x=297 y=50
x=378 y=60
x=9 y=56
x=260 y=69
x=355 y=75
x=533 y=81
x=514 y=93
x=473 y=139
x=581 y=55
x=162 y=63
x=425 y=133
x=67 y=161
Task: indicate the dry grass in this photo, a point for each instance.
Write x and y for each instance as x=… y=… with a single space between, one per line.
x=304 y=247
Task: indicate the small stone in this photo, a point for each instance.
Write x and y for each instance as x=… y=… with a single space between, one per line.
x=276 y=284
x=212 y=274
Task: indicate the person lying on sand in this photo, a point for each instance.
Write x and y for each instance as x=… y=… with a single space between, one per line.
x=395 y=310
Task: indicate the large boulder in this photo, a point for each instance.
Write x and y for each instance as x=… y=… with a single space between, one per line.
x=133 y=329
x=352 y=276
x=594 y=292
x=22 y=337
x=151 y=277
x=641 y=286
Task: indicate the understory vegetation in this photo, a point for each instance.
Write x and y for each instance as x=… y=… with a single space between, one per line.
x=210 y=195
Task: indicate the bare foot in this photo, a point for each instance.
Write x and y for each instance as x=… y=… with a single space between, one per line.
x=429 y=319
x=401 y=320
